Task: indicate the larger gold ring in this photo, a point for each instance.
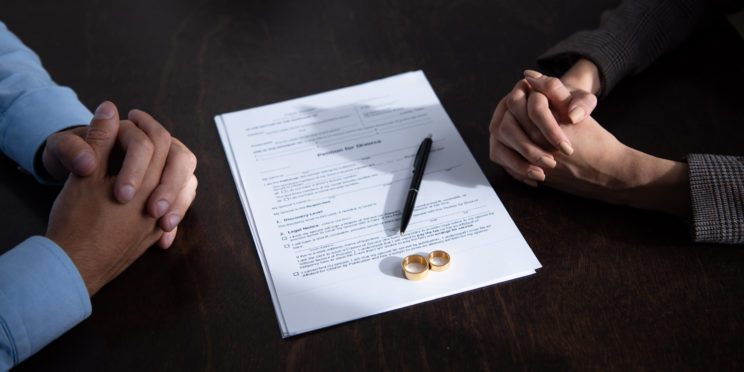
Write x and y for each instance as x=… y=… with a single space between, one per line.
x=439 y=260
x=415 y=267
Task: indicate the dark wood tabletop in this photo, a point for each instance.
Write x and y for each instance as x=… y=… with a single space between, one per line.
x=620 y=289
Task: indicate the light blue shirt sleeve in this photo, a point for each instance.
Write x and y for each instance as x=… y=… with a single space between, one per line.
x=32 y=106
x=42 y=296
x=41 y=292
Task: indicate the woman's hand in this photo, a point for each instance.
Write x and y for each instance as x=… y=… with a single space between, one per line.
x=541 y=102
x=603 y=168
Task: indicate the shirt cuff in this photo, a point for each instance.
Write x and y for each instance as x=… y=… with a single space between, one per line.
x=35 y=115
x=42 y=296
x=717 y=193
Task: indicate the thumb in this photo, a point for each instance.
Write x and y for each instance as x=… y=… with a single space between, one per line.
x=102 y=132
x=553 y=88
x=66 y=152
x=582 y=104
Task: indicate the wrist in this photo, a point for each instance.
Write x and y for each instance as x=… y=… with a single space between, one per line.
x=85 y=265
x=87 y=269
x=656 y=184
x=583 y=75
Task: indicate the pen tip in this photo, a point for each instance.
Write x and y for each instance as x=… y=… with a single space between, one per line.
x=401 y=233
x=429 y=136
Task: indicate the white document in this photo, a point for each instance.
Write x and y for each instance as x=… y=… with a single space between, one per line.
x=323 y=180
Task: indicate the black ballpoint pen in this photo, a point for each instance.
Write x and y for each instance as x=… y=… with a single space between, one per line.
x=419 y=165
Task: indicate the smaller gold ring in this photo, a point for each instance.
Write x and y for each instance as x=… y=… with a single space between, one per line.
x=415 y=267
x=439 y=260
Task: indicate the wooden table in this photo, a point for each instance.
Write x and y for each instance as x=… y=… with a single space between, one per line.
x=620 y=288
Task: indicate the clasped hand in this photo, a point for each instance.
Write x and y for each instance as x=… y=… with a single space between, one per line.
x=68 y=152
x=111 y=209
x=542 y=132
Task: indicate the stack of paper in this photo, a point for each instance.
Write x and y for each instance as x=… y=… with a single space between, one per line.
x=323 y=180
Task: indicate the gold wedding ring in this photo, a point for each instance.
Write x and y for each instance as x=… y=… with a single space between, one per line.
x=415 y=267
x=439 y=260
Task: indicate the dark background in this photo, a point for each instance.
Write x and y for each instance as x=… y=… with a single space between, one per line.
x=620 y=288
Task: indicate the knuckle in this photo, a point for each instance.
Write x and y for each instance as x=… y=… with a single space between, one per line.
x=532 y=154
x=503 y=131
x=137 y=115
x=191 y=160
x=513 y=171
x=182 y=156
x=513 y=101
x=498 y=112
x=144 y=144
x=493 y=152
x=96 y=135
x=553 y=83
x=540 y=107
x=534 y=134
x=495 y=123
x=496 y=157
x=537 y=115
x=63 y=142
x=555 y=139
x=514 y=98
x=523 y=85
x=177 y=144
x=161 y=137
x=192 y=195
x=78 y=131
x=592 y=99
x=127 y=122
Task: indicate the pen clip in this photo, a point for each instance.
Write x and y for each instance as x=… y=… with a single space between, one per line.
x=417 y=159
x=420 y=153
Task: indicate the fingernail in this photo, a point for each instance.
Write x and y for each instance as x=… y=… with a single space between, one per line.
x=168 y=240
x=576 y=114
x=566 y=148
x=161 y=207
x=126 y=193
x=104 y=111
x=172 y=220
x=548 y=161
x=83 y=162
x=532 y=73
x=535 y=175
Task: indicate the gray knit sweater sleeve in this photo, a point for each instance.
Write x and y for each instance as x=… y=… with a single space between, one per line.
x=629 y=38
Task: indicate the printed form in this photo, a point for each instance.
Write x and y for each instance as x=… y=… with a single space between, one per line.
x=323 y=180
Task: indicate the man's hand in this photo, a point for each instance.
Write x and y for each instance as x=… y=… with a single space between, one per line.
x=102 y=236
x=68 y=152
x=176 y=190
